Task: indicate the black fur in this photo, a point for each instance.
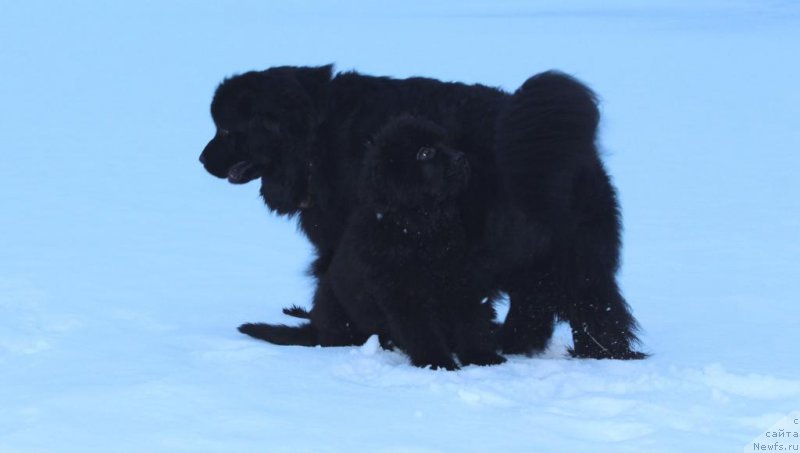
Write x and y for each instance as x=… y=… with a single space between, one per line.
x=539 y=206
x=403 y=269
x=556 y=226
x=297 y=312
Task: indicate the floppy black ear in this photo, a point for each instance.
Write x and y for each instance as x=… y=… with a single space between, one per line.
x=315 y=80
x=372 y=179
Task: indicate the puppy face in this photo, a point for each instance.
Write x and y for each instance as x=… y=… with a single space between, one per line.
x=265 y=123
x=409 y=165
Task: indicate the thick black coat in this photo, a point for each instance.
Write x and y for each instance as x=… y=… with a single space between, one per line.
x=539 y=205
x=404 y=269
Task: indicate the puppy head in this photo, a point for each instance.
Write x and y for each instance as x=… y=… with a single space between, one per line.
x=265 y=125
x=409 y=165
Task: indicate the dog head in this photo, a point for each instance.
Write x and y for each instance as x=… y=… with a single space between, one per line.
x=409 y=165
x=265 y=128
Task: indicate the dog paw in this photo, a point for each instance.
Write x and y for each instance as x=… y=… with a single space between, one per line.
x=297 y=312
x=625 y=354
x=447 y=367
x=445 y=363
x=481 y=358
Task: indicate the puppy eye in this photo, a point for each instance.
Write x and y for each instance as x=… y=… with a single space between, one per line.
x=223 y=132
x=426 y=153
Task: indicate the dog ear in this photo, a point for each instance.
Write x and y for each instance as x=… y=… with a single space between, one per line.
x=371 y=183
x=315 y=80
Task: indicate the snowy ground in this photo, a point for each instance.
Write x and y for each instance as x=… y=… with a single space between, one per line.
x=125 y=268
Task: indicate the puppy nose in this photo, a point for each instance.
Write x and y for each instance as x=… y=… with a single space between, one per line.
x=202 y=159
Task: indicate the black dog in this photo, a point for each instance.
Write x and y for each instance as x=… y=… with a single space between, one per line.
x=539 y=204
x=403 y=268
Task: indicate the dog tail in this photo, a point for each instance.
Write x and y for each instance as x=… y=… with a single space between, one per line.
x=302 y=335
x=548 y=127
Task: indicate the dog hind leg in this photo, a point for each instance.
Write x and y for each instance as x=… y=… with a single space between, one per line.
x=531 y=316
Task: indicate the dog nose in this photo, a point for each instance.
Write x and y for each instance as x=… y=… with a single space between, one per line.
x=202 y=159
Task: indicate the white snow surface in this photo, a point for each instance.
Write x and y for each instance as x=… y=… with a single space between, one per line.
x=125 y=268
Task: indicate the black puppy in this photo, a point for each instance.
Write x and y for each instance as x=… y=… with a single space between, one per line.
x=539 y=202
x=403 y=269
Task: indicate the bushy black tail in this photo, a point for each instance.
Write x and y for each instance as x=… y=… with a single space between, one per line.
x=547 y=128
x=302 y=335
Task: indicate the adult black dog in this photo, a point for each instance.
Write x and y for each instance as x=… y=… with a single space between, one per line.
x=404 y=270
x=539 y=203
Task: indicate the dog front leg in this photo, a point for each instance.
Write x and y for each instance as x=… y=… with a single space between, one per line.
x=414 y=328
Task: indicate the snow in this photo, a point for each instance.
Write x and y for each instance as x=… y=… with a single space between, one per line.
x=125 y=268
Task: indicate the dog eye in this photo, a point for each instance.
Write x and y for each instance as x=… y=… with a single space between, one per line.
x=223 y=132
x=426 y=153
